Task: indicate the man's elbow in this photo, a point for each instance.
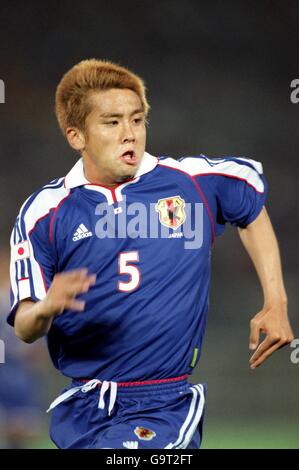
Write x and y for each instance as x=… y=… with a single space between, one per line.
x=22 y=321
x=23 y=336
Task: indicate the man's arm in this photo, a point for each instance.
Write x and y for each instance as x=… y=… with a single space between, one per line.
x=34 y=320
x=260 y=242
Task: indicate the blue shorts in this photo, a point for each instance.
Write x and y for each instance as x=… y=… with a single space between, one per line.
x=156 y=416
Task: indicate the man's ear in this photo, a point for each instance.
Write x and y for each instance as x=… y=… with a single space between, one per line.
x=75 y=138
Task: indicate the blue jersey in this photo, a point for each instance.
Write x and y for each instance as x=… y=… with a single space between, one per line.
x=149 y=243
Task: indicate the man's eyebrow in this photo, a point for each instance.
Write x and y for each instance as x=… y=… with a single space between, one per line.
x=118 y=115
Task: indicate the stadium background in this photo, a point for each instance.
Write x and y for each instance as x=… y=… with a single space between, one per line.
x=218 y=75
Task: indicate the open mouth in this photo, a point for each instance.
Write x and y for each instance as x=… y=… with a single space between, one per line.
x=129 y=157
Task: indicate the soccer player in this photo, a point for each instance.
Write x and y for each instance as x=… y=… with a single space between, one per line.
x=112 y=264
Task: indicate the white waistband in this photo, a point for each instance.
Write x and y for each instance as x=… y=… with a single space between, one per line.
x=105 y=385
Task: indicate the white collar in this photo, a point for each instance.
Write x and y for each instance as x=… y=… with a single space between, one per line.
x=76 y=176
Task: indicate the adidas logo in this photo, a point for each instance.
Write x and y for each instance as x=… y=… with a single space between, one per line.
x=81 y=232
x=130 y=444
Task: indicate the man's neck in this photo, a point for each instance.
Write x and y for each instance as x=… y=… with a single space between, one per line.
x=102 y=180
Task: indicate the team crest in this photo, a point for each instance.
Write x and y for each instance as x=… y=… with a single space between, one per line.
x=171 y=211
x=144 y=434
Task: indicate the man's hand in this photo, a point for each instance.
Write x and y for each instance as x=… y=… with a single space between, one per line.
x=273 y=322
x=260 y=242
x=63 y=291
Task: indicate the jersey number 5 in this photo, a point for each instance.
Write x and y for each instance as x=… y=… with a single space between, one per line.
x=125 y=268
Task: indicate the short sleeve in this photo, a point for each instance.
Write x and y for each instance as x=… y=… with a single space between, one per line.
x=241 y=194
x=235 y=188
x=32 y=263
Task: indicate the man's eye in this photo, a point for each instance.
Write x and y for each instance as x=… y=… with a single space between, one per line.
x=112 y=123
x=138 y=120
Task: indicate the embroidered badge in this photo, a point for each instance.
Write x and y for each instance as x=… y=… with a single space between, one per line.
x=144 y=434
x=171 y=211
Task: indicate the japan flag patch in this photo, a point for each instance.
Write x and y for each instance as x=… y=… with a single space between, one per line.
x=21 y=251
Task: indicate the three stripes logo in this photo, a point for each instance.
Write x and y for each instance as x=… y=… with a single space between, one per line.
x=81 y=232
x=130 y=444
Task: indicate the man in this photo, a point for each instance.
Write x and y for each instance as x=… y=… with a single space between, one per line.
x=112 y=263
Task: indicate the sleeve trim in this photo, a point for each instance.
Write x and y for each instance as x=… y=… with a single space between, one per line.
x=259 y=183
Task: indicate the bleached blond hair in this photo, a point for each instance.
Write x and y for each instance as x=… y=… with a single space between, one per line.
x=71 y=103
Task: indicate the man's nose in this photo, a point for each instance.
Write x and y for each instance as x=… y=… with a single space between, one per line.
x=128 y=133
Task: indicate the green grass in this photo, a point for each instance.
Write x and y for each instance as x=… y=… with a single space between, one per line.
x=257 y=436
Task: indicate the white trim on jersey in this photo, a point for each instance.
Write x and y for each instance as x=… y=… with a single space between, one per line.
x=13 y=272
x=47 y=199
x=231 y=168
x=24 y=288
x=47 y=186
x=215 y=161
x=192 y=420
x=26 y=268
x=107 y=192
x=53 y=183
x=100 y=189
x=257 y=165
x=148 y=163
x=76 y=176
x=119 y=189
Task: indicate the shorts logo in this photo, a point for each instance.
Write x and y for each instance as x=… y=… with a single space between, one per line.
x=171 y=211
x=130 y=444
x=144 y=434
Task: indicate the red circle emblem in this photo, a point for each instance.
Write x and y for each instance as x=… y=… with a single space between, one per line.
x=21 y=251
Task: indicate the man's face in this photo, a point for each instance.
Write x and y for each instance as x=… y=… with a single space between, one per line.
x=114 y=136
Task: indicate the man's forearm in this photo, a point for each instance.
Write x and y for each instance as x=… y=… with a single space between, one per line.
x=272 y=320
x=261 y=244
x=34 y=320
x=31 y=322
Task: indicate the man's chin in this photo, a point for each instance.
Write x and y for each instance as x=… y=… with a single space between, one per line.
x=124 y=178
x=128 y=174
